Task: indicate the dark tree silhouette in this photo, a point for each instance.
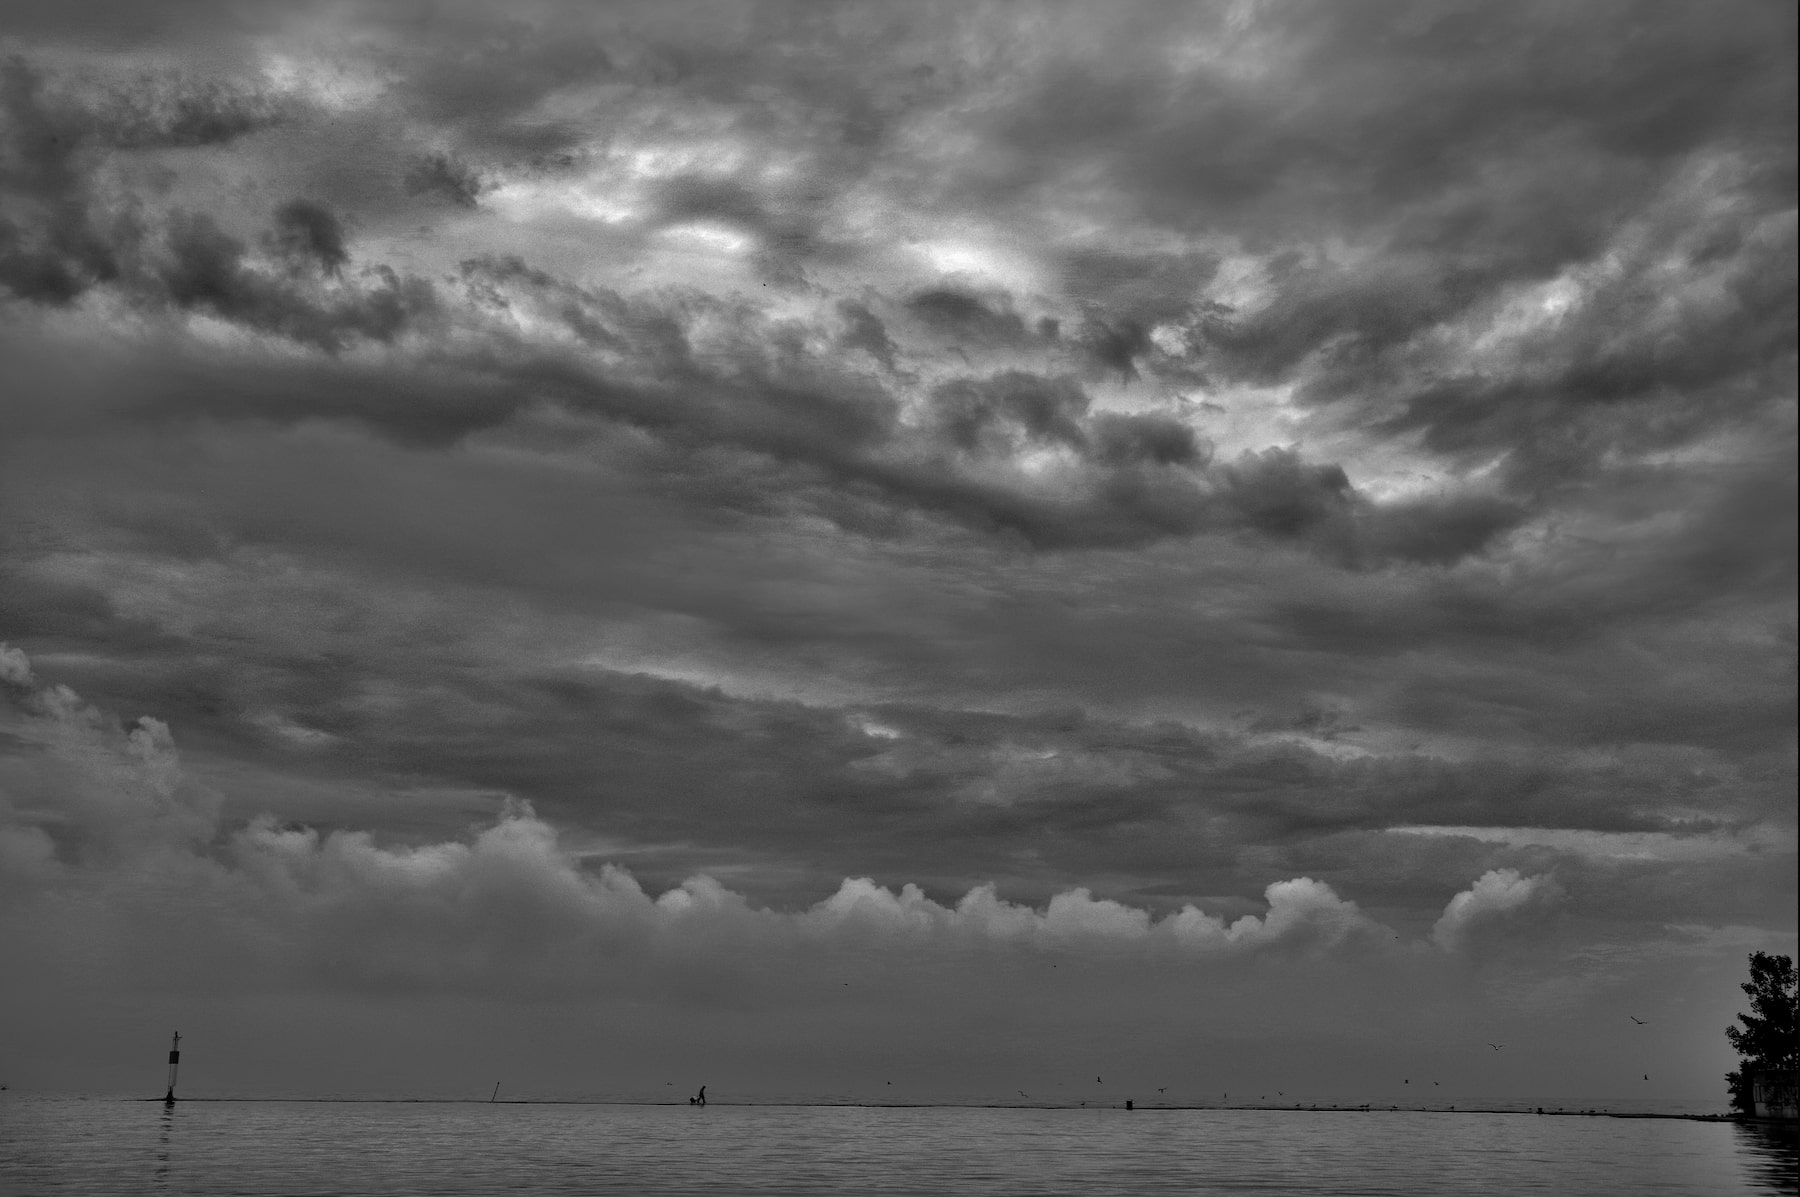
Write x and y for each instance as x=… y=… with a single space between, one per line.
x=1770 y=1036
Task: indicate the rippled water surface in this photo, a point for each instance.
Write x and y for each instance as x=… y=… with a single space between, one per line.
x=51 y=1146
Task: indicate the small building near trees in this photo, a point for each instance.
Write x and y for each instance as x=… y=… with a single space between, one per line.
x=1772 y=1091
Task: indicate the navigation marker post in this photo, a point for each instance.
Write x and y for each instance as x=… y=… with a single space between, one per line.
x=174 y=1064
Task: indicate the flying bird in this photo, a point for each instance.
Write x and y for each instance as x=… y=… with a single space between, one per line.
x=1636 y=1019
x=1496 y=1046
x=1164 y=1089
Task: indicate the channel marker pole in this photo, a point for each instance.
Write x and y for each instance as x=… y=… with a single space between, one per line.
x=174 y=1064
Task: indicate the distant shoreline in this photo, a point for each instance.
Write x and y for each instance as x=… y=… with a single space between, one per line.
x=1591 y=1112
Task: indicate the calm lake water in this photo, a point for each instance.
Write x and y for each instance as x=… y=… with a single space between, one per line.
x=64 y=1145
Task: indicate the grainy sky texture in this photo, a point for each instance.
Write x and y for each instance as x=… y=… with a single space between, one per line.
x=1230 y=547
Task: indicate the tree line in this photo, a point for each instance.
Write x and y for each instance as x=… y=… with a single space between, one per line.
x=1770 y=1036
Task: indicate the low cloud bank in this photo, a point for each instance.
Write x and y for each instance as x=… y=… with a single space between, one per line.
x=110 y=849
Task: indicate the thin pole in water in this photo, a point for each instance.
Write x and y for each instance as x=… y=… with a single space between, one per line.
x=495 y=1093
x=174 y=1066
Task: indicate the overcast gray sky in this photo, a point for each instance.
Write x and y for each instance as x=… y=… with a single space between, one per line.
x=1230 y=547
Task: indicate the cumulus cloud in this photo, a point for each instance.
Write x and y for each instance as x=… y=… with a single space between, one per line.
x=15 y=666
x=1501 y=903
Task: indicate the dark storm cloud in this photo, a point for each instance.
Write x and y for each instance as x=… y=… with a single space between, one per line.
x=668 y=763
x=701 y=374
x=482 y=78
x=72 y=235
x=60 y=236
x=304 y=230
x=1134 y=463
x=970 y=318
x=864 y=330
x=1115 y=347
x=1478 y=147
x=971 y=413
x=1363 y=319
x=443 y=177
x=205 y=269
x=1627 y=369
x=1342 y=113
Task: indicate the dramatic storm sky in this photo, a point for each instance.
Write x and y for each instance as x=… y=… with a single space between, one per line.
x=1239 y=548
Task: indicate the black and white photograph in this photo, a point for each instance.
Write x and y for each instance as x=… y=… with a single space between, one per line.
x=965 y=597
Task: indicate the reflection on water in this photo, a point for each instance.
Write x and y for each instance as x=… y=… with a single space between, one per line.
x=162 y=1147
x=1771 y=1153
